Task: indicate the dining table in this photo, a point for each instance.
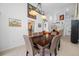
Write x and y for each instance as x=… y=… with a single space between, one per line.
x=42 y=40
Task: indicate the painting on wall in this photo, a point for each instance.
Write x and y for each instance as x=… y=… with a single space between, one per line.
x=39 y=25
x=31 y=27
x=61 y=17
x=14 y=22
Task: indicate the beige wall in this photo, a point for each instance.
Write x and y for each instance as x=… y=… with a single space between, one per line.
x=12 y=36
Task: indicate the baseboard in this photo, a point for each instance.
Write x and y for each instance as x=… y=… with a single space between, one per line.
x=66 y=36
x=11 y=48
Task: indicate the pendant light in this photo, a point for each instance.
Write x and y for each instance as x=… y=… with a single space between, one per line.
x=40 y=11
x=33 y=13
x=43 y=16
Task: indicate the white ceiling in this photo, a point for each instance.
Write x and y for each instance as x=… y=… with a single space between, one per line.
x=54 y=7
x=51 y=8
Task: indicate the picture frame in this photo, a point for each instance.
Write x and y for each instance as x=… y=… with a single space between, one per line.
x=14 y=22
x=61 y=17
x=39 y=25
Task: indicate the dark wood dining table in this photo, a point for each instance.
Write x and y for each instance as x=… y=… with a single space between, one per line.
x=41 y=40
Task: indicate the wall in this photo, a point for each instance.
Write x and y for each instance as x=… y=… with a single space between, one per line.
x=51 y=20
x=12 y=36
x=38 y=21
x=68 y=12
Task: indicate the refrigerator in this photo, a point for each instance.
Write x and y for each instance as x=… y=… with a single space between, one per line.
x=75 y=31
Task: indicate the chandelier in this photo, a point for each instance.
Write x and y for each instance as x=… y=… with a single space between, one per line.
x=39 y=6
x=33 y=13
x=38 y=10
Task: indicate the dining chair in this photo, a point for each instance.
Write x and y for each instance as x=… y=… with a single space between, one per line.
x=53 y=45
x=52 y=48
x=58 y=44
x=30 y=47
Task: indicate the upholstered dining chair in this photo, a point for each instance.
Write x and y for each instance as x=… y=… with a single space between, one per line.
x=30 y=47
x=56 y=41
x=54 y=45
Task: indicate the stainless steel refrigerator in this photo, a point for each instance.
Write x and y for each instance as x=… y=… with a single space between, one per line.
x=74 y=31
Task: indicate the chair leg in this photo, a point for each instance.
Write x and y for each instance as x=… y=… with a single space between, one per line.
x=59 y=45
x=55 y=52
x=27 y=53
x=33 y=54
x=43 y=52
x=50 y=54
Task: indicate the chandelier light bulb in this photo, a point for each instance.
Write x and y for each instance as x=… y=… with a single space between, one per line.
x=32 y=12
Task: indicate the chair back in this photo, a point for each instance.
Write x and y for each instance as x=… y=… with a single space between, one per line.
x=53 y=43
x=28 y=44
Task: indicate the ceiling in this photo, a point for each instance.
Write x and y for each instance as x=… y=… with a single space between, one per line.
x=51 y=8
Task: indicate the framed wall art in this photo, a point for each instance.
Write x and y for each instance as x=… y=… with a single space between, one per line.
x=61 y=17
x=14 y=22
x=39 y=25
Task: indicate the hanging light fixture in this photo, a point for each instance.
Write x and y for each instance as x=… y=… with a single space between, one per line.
x=33 y=12
x=43 y=15
x=40 y=11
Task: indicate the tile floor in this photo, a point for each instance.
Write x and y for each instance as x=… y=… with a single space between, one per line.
x=67 y=49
